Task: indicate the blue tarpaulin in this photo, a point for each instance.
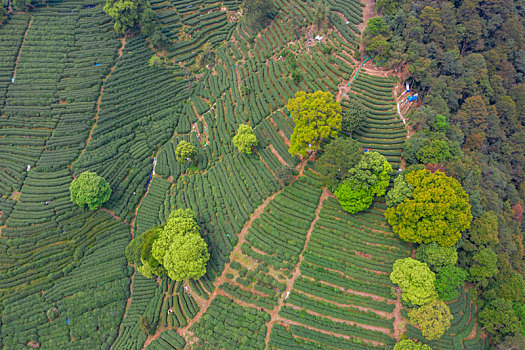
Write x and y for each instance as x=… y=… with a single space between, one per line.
x=97 y=64
x=147 y=183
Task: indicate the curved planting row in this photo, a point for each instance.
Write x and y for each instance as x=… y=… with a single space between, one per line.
x=343 y=297
x=64 y=276
x=383 y=131
x=463 y=332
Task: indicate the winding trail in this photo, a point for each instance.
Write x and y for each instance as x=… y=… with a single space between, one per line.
x=185 y=331
x=399 y=327
x=22 y=45
x=120 y=51
x=274 y=314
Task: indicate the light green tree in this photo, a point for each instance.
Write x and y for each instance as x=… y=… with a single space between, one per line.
x=245 y=140
x=184 y=152
x=399 y=192
x=155 y=61
x=316 y=116
x=186 y=257
x=126 y=13
x=437 y=256
x=438 y=210
x=433 y=319
x=449 y=279
x=180 y=248
x=151 y=266
x=90 y=189
x=415 y=279
x=407 y=344
x=367 y=180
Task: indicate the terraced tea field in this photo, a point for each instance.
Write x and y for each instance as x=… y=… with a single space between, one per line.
x=288 y=269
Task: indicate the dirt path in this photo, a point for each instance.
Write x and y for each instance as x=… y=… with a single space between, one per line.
x=346 y=337
x=114 y=215
x=120 y=50
x=274 y=314
x=22 y=46
x=369 y=11
x=242 y=238
x=185 y=332
x=277 y=155
x=399 y=326
x=384 y=314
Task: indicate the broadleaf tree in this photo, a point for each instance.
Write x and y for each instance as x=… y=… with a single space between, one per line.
x=339 y=156
x=185 y=151
x=408 y=344
x=89 y=189
x=449 y=279
x=368 y=179
x=433 y=319
x=316 y=116
x=245 y=139
x=415 y=279
x=438 y=210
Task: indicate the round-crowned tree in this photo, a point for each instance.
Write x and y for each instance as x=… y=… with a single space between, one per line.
x=316 y=116
x=407 y=344
x=437 y=210
x=433 y=318
x=184 y=152
x=365 y=181
x=245 y=140
x=180 y=248
x=89 y=189
x=415 y=279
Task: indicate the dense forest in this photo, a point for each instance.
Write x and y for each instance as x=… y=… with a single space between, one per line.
x=467 y=58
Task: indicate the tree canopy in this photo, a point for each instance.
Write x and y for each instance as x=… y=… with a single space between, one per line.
x=185 y=151
x=438 y=210
x=484 y=265
x=89 y=189
x=180 y=248
x=150 y=266
x=429 y=147
x=316 y=116
x=259 y=13
x=354 y=116
x=130 y=15
x=399 y=192
x=433 y=318
x=245 y=140
x=126 y=13
x=449 y=279
x=407 y=344
x=436 y=256
x=339 y=156
x=499 y=319
x=415 y=280
x=176 y=249
x=368 y=179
